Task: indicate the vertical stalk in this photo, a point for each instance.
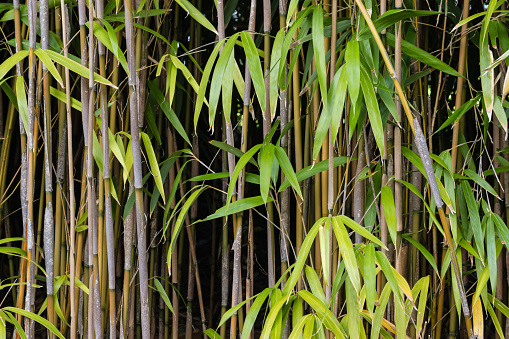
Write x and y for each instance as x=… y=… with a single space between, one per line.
x=266 y=129
x=29 y=222
x=63 y=7
x=108 y=218
x=398 y=161
x=49 y=236
x=138 y=184
x=94 y=315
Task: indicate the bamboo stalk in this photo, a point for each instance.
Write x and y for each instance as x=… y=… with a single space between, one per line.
x=72 y=237
x=108 y=217
x=48 y=184
x=94 y=321
x=29 y=222
x=135 y=140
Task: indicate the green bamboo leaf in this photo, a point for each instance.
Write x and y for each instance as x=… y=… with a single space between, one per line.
x=314 y=283
x=171 y=82
x=346 y=248
x=115 y=48
x=485 y=59
x=62 y=97
x=238 y=80
x=387 y=97
x=12 y=239
x=353 y=67
x=209 y=176
x=154 y=166
x=390 y=17
x=379 y=312
x=424 y=57
x=35 y=317
x=375 y=118
x=11 y=61
x=115 y=149
x=271 y=317
x=389 y=211
x=359 y=229
x=227 y=90
x=297 y=328
x=230 y=149
x=13 y=251
x=287 y=168
x=319 y=52
x=97 y=152
x=277 y=326
x=255 y=67
x=370 y=276
x=49 y=65
x=500 y=305
x=58 y=309
x=204 y=81
x=238 y=206
x=253 y=312
x=311 y=170
x=336 y=98
x=286 y=46
x=197 y=15
x=475 y=221
x=491 y=251
x=228 y=314
x=323 y=234
x=168 y=111
x=187 y=74
x=173 y=191
x=301 y=258
x=502 y=230
x=76 y=67
x=481 y=283
x=353 y=310
x=212 y=334
x=458 y=113
x=500 y=112
x=275 y=65
x=180 y=220
x=266 y=161
x=480 y=181
x=424 y=251
x=218 y=75
x=422 y=302
x=291 y=8
x=10 y=93
x=109 y=40
x=152 y=32
x=22 y=101
x=309 y=328
x=389 y=273
x=238 y=168
x=324 y=314
x=12 y=319
x=493 y=315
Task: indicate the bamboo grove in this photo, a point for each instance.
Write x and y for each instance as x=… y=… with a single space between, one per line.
x=254 y=169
